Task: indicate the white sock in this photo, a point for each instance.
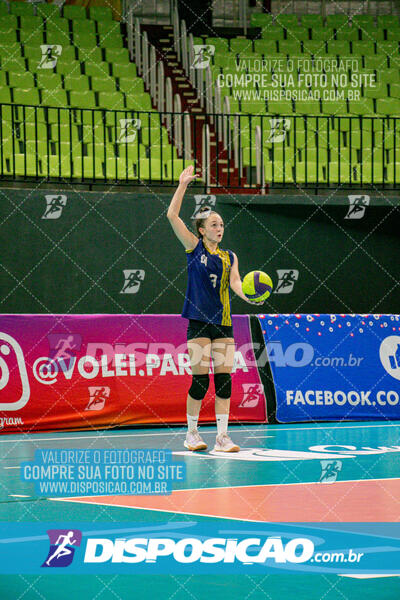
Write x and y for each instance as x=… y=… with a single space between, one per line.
x=192 y=422
x=222 y=423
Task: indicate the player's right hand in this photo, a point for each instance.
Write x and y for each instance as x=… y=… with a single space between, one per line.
x=187 y=175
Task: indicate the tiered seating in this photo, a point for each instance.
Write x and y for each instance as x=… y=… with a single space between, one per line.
x=357 y=143
x=88 y=69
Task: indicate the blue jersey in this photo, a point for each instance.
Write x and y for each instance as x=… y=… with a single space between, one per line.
x=207 y=295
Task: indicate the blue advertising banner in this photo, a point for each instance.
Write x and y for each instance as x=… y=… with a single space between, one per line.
x=192 y=547
x=334 y=366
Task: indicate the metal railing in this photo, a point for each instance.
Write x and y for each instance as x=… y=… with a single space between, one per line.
x=232 y=151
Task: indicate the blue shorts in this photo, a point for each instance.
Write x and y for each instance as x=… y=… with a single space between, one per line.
x=200 y=329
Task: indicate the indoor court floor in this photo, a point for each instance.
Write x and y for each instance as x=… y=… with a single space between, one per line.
x=321 y=473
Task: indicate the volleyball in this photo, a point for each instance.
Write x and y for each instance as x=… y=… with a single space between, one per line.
x=257 y=286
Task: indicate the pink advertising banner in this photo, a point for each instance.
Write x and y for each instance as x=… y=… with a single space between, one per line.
x=65 y=372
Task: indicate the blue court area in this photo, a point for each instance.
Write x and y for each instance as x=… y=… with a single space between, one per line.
x=284 y=473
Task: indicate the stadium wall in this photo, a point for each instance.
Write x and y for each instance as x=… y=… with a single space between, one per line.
x=114 y=253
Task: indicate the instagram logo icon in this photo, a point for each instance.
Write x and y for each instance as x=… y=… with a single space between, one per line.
x=14 y=384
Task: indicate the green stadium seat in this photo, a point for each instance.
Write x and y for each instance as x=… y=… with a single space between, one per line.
x=324 y=34
x=119 y=168
x=3 y=79
x=379 y=90
x=242 y=46
x=103 y=84
x=363 y=21
x=273 y=32
x=393 y=34
x=173 y=168
x=388 y=106
x=308 y=173
x=260 y=19
x=64 y=133
x=363 y=48
x=83 y=27
x=9 y=37
x=48 y=81
x=391 y=75
x=71 y=11
x=265 y=47
x=57 y=25
x=315 y=47
x=86 y=41
x=385 y=139
x=100 y=13
x=111 y=100
x=33 y=131
x=161 y=152
x=364 y=106
x=85 y=167
x=298 y=33
x=33 y=52
x=286 y=20
x=90 y=54
x=289 y=47
x=13 y=63
x=110 y=40
x=348 y=34
x=338 y=173
x=341 y=48
x=47 y=11
x=22 y=8
x=3 y=8
x=395 y=61
x=79 y=82
x=5 y=95
x=371 y=172
x=377 y=62
x=221 y=44
x=31 y=22
x=72 y=67
x=53 y=167
x=255 y=107
x=151 y=133
x=29 y=96
x=131 y=86
x=109 y=27
x=278 y=171
x=389 y=48
x=372 y=34
x=98 y=69
x=334 y=107
x=127 y=70
x=26 y=165
x=359 y=138
x=117 y=55
x=280 y=107
x=138 y=102
x=82 y=100
x=307 y=107
x=21 y=80
x=312 y=21
x=394 y=90
x=55 y=37
x=393 y=173
x=337 y=21
x=31 y=37
x=8 y=21
x=9 y=51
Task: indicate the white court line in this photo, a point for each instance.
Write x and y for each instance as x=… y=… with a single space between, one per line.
x=169 y=433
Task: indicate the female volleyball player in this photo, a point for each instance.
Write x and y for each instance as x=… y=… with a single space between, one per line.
x=207 y=306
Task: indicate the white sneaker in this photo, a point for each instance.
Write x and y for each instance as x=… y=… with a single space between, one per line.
x=194 y=442
x=223 y=443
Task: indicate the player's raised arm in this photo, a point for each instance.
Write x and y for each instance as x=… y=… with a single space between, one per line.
x=186 y=237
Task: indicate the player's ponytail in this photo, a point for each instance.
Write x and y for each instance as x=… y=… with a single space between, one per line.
x=200 y=218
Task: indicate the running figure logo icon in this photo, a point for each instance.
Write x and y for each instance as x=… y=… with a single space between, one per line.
x=133 y=279
x=252 y=392
x=128 y=130
x=389 y=354
x=330 y=470
x=279 y=129
x=63 y=345
x=203 y=200
x=50 y=56
x=63 y=543
x=98 y=397
x=287 y=279
x=202 y=55
x=54 y=206
x=357 y=207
